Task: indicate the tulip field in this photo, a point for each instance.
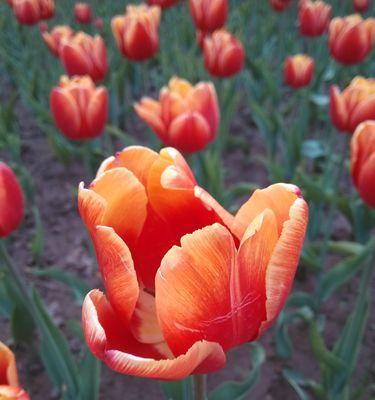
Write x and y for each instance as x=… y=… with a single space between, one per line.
x=187 y=200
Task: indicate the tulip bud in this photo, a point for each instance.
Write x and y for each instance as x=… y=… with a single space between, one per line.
x=11 y=201
x=361 y=5
x=162 y=3
x=80 y=110
x=83 y=54
x=99 y=23
x=137 y=32
x=223 y=53
x=54 y=38
x=362 y=163
x=351 y=38
x=298 y=70
x=82 y=13
x=314 y=17
x=354 y=105
x=280 y=5
x=185 y=117
x=27 y=12
x=209 y=15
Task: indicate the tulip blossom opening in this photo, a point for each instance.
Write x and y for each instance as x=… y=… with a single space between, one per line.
x=299 y=70
x=79 y=108
x=137 y=32
x=224 y=54
x=361 y=5
x=280 y=5
x=362 y=164
x=186 y=117
x=83 y=13
x=83 y=54
x=314 y=17
x=54 y=38
x=351 y=38
x=353 y=105
x=166 y=248
x=30 y=12
x=209 y=15
x=162 y=3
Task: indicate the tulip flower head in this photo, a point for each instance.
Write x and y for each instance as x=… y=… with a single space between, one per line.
x=362 y=164
x=351 y=38
x=166 y=249
x=137 y=32
x=80 y=109
x=209 y=15
x=186 y=117
x=30 y=12
x=280 y=5
x=162 y=3
x=83 y=54
x=83 y=13
x=361 y=5
x=224 y=54
x=299 y=70
x=11 y=202
x=54 y=38
x=314 y=17
x=354 y=105
x=99 y=23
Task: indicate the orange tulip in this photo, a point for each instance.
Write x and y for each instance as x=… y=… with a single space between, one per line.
x=30 y=12
x=209 y=15
x=54 y=38
x=351 y=38
x=362 y=163
x=185 y=280
x=299 y=70
x=83 y=54
x=186 y=116
x=361 y=5
x=137 y=32
x=83 y=13
x=224 y=54
x=11 y=201
x=9 y=385
x=314 y=17
x=162 y=3
x=354 y=105
x=280 y=5
x=79 y=108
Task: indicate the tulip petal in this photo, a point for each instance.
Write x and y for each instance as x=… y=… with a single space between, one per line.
x=338 y=109
x=151 y=117
x=8 y=370
x=75 y=60
x=13 y=393
x=366 y=181
x=91 y=207
x=365 y=110
x=97 y=112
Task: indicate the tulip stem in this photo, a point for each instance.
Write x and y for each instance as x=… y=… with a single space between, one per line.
x=199 y=387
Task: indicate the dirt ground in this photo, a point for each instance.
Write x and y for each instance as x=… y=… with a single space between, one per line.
x=66 y=247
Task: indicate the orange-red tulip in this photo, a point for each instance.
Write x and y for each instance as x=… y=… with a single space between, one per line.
x=83 y=54
x=299 y=70
x=11 y=201
x=351 y=38
x=314 y=17
x=362 y=163
x=162 y=3
x=137 y=32
x=83 y=13
x=354 y=105
x=224 y=54
x=361 y=5
x=30 y=12
x=9 y=384
x=280 y=5
x=186 y=117
x=54 y=38
x=79 y=108
x=209 y=15
x=185 y=280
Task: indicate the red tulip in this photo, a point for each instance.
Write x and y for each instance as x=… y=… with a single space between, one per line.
x=83 y=54
x=83 y=13
x=79 y=108
x=209 y=15
x=361 y=5
x=11 y=203
x=47 y=9
x=280 y=5
x=186 y=117
x=162 y=3
x=27 y=12
x=185 y=280
x=223 y=53
x=314 y=17
x=299 y=70
x=137 y=32
x=351 y=38
x=362 y=163
x=54 y=38
x=354 y=105
x=99 y=23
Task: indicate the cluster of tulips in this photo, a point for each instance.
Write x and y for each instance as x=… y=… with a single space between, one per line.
x=165 y=247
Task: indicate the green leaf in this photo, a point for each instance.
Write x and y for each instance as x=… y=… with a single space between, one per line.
x=178 y=390
x=89 y=377
x=37 y=243
x=320 y=100
x=239 y=390
x=22 y=325
x=299 y=382
x=313 y=149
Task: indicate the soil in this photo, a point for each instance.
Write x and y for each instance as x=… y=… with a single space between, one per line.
x=66 y=246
